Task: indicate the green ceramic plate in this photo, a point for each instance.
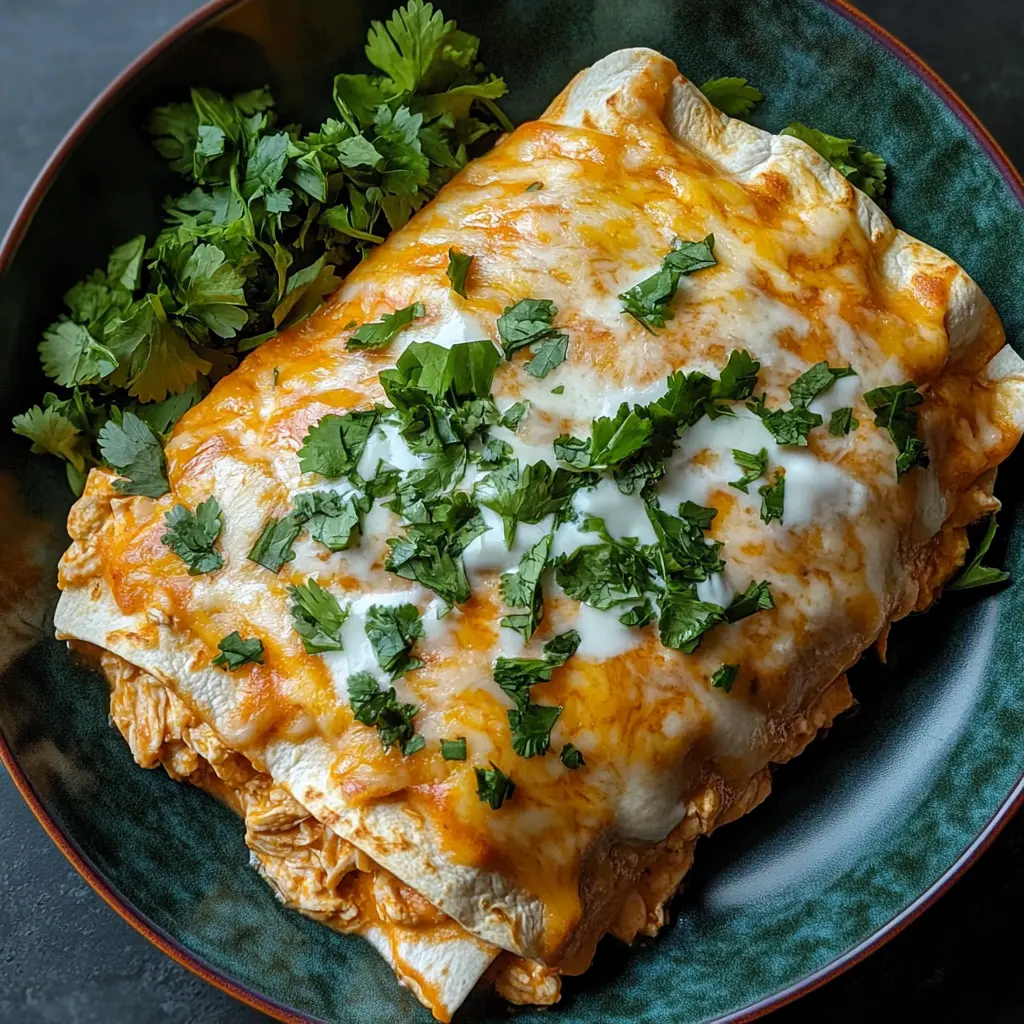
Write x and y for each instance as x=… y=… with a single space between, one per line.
x=862 y=831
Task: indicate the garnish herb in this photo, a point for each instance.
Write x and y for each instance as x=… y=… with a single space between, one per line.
x=787 y=426
x=191 y=536
x=514 y=415
x=724 y=677
x=333 y=446
x=753 y=466
x=732 y=96
x=266 y=220
x=571 y=757
x=236 y=652
x=383 y=331
x=493 y=786
x=842 y=422
x=333 y=519
x=531 y=728
x=895 y=409
x=134 y=451
x=458 y=267
x=859 y=166
x=685 y=618
x=756 y=598
x=454 y=750
x=639 y=615
x=317 y=617
x=773 y=497
x=534 y=186
x=392 y=632
x=273 y=547
x=813 y=382
x=373 y=706
x=648 y=302
x=530 y=322
x=974 y=573
x=522 y=589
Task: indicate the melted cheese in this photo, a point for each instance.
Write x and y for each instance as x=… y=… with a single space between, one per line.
x=806 y=272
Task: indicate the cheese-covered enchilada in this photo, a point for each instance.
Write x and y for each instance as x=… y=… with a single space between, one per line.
x=518 y=564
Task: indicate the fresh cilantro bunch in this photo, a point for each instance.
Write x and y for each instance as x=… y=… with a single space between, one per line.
x=267 y=215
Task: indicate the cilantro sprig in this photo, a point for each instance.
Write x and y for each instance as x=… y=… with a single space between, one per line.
x=381 y=709
x=266 y=220
x=191 y=535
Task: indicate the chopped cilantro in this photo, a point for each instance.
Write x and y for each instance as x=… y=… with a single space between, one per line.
x=236 y=652
x=724 y=677
x=736 y=381
x=531 y=728
x=273 y=547
x=813 y=382
x=613 y=439
x=787 y=426
x=604 y=575
x=458 y=268
x=534 y=186
x=333 y=519
x=514 y=415
x=530 y=322
x=685 y=618
x=757 y=597
x=333 y=446
x=732 y=96
x=373 y=706
x=493 y=786
x=522 y=589
x=648 y=302
x=753 y=466
x=860 y=166
x=683 y=551
x=975 y=574
x=842 y=422
x=895 y=408
x=515 y=676
x=392 y=632
x=639 y=615
x=773 y=496
x=317 y=617
x=571 y=757
x=454 y=750
x=382 y=332
x=135 y=451
x=560 y=390
x=191 y=536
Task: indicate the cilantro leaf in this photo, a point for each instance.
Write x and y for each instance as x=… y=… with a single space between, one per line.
x=493 y=786
x=813 y=382
x=724 y=677
x=373 y=706
x=515 y=676
x=191 y=536
x=317 y=617
x=392 y=632
x=787 y=426
x=332 y=519
x=682 y=549
x=842 y=422
x=571 y=757
x=521 y=589
x=732 y=96
x=864 y=169
x=604 y=575
x=236 y=652
x=273 y=546
x=381 y=332
x=135 y=452
x=737 y=379
x=514 y=415
x=639 y=615
x=895 y=409
x=752 y=464
x=71 y=355
x=531 y=728
x=773 y=496
x=454 y=750
x=757 y=597
x=458 y=268
x=559 y=649
x=685 y=618
x=51 y=431
x=974 y=573
x=613 y=439
x=648 y=302
x=548 y=354
x=334 y=445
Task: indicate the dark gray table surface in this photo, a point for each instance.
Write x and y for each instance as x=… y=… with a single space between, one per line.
x=66 y=957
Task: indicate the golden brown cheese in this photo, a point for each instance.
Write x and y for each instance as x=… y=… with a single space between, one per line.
x=630 y=157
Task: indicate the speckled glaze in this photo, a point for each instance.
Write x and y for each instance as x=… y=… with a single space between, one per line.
x=862 y=831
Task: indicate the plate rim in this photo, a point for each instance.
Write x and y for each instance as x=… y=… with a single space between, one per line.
x=171 y=946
